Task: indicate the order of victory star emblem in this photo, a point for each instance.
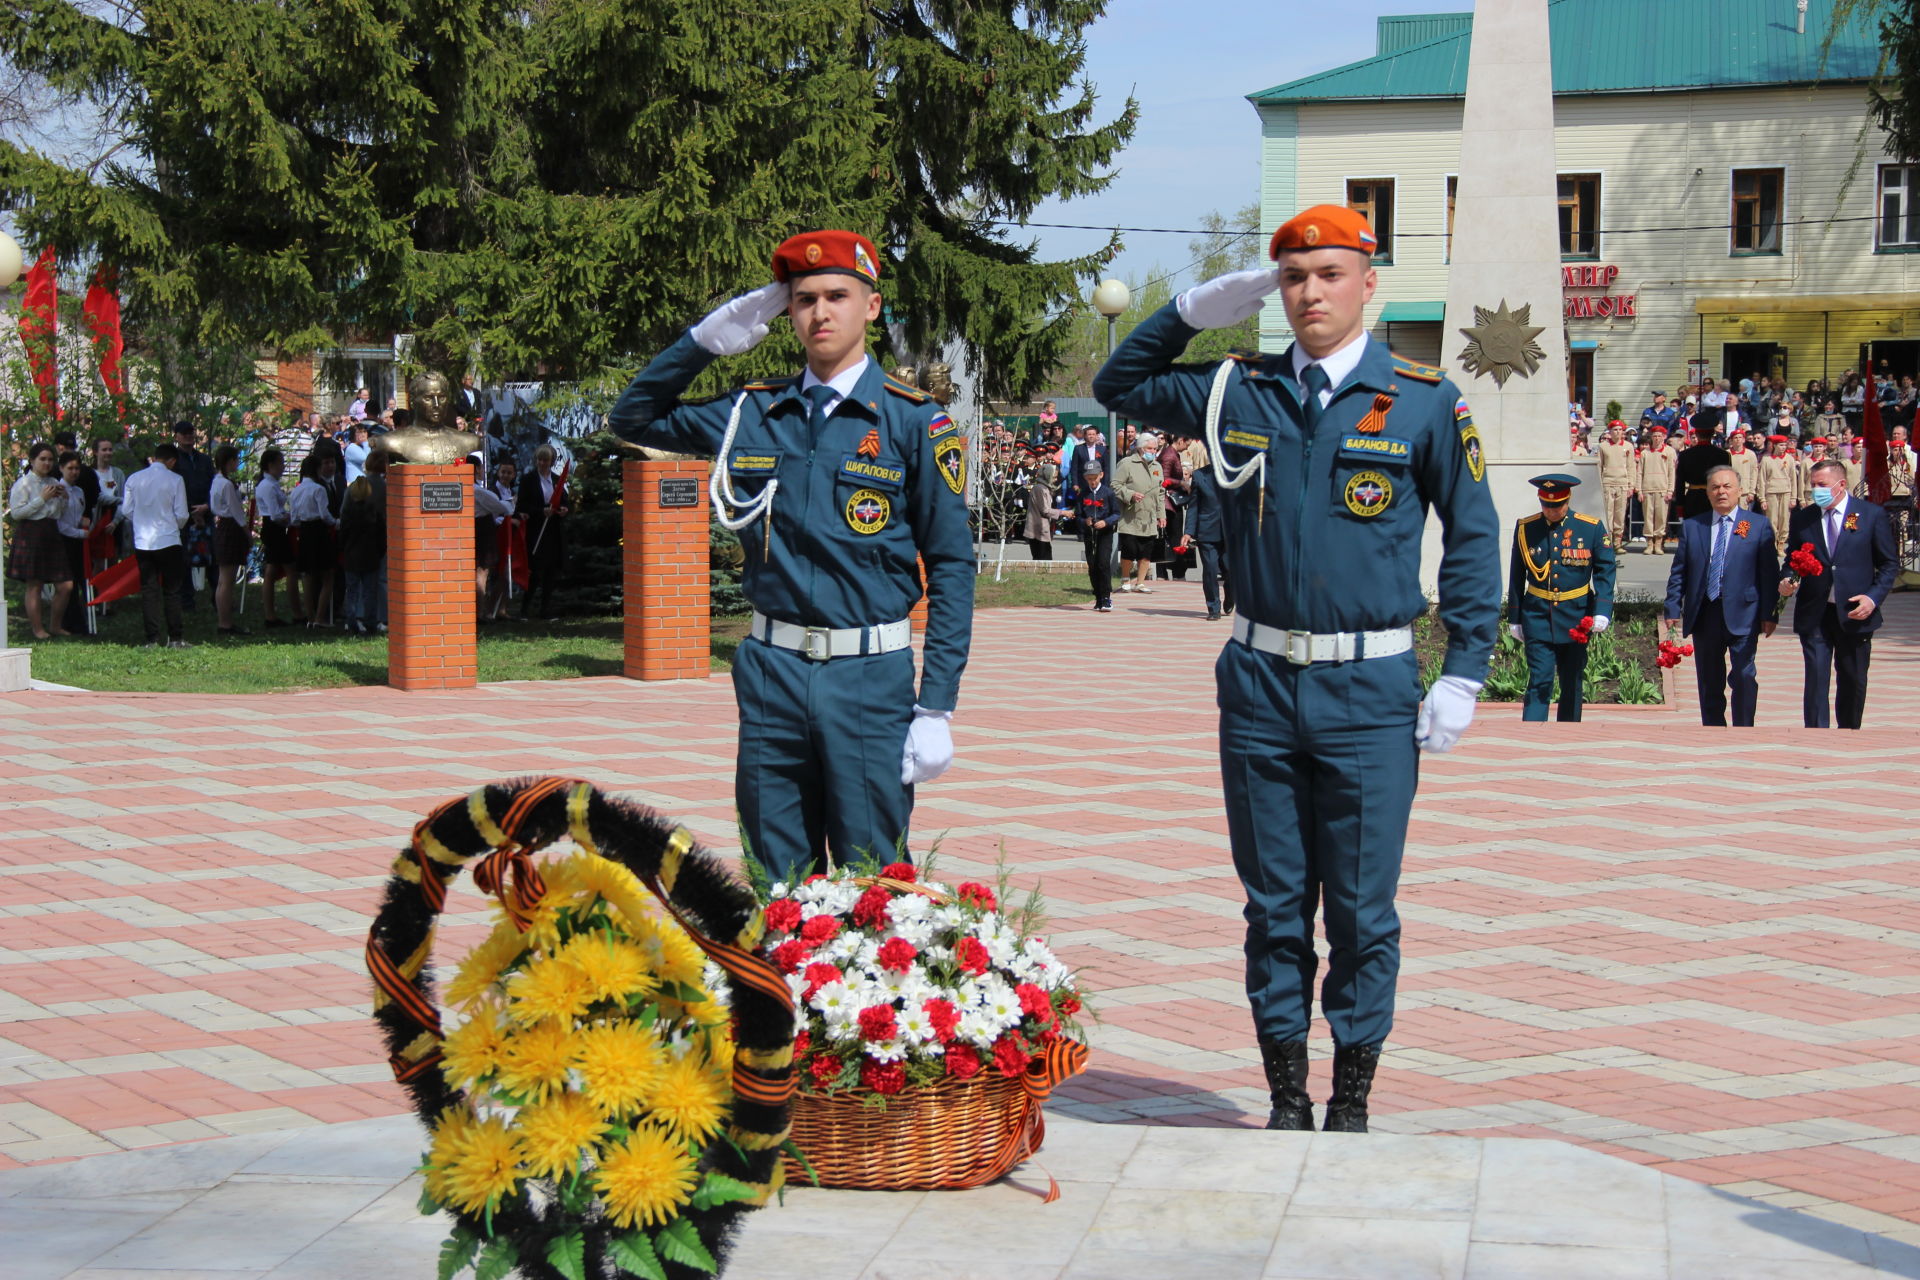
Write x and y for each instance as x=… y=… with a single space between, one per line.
x=1501 y=343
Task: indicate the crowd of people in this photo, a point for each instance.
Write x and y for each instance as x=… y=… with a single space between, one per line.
x=1765 y=405
x=312 y=515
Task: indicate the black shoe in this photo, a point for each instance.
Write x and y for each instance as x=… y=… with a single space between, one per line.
x=1352 y=1081
x=276 y=622
x=1214 y=616
x=1286 y=1065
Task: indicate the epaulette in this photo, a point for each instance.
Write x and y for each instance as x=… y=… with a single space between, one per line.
x=1538 y=515
x=1417 y=371
x=770 y=384
x=906 y=392
x=1585 y=518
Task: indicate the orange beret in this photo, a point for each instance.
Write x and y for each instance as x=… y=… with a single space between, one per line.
x=817 y=252
x=1325 y=226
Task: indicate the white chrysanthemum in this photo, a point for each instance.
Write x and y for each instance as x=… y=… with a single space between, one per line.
x=937 y=954
x=920 y=933
x=978 y=1029
x=1055 y=976
x=893 y=984
x=887 y=1051
x=841 y=950
x=1038 y=951
x=797 y=985
x=868 y=955
x=834 y=999
x=950 y=917
x=779 y=890
x=908 y=906
x=916 y=1026
x=1002 y=946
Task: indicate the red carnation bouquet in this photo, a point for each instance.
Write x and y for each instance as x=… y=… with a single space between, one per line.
x=1584 y=632
x=1671 y=653
x=1805 y=562
x=903 y=982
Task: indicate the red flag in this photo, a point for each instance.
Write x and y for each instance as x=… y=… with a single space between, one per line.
x=101 y=543
x=1879 y=485
x=513 y=551
x=559 y=498
x=102 y=310
x=122 y=579
x=38 y=329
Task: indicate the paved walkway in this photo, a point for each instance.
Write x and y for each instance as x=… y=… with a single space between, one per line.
x=1690 y=948
x=1137 y=1203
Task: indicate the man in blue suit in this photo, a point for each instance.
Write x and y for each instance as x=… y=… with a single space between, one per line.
x=1836 y=613
x=1723 y=590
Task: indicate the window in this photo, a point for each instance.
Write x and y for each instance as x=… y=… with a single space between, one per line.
x=1579 y=215
x=1372 y=199
x=1756 y=209
x=1899 y=206
x=1453 y=191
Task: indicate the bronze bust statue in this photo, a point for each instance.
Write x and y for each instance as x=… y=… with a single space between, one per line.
x=431 y=438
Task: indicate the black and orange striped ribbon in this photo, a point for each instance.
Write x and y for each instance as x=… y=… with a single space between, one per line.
x=1376 y=419
x=510 y=875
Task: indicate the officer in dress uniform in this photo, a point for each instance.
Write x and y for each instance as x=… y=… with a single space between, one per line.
x=1690 y=470
x=840 y=481
x=1327 y=458
x=1561 y=571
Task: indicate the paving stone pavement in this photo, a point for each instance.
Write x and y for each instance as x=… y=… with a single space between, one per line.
x=1137 y=1203
x=1690 y=948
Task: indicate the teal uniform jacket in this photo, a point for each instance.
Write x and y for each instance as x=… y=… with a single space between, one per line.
x=849 y=528
x=1338 y=547
x=1577 y=556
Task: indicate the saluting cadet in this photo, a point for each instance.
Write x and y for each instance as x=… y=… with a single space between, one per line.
x=1327 y=458
x=1560 y=572
x=839 y=480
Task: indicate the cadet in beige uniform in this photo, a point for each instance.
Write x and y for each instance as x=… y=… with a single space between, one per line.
x=1803 y=480
x=1779 y=487
x=1657 y=470
x=1746 y=465
x=1618 y=473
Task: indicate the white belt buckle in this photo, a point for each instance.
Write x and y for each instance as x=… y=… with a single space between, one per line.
x=817 y=643
x=1300 y=648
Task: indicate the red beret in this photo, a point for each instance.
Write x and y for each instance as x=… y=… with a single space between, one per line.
x=1778 y=440
x=1325 y=226
x=817 y=252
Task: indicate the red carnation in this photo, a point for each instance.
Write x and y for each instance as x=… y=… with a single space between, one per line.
x=883 y=1077
x=802 y=1041
x=876 y=1022
x=898 y=871
x=791 y=954
x=819 y=974
x=825 y=1069
x=872 y=907
x=897 y=954
x=944 y=1015
x=783 y=914
x=1069 y=1004
x=972 y=956
x=1009 y=1056
x=963 y=1061
x=1034 y=1002
x=978 y=895
x=819 y=929
x=1805 y=562
x=814 y=877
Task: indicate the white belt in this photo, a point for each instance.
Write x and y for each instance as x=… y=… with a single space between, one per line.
x=822 y=643
x=1303 y=648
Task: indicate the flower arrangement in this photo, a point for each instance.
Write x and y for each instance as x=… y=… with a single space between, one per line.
x=1583 y=633
x=903 y=982
x=1804 y=561
x=1672 y=653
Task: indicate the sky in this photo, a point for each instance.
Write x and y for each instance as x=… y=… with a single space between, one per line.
x=1197 y=145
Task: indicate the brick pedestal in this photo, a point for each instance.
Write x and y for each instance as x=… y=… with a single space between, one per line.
x=669 y=626
x=430 y=597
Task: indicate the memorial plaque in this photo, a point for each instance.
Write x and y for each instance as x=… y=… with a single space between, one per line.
x=443 y=495
x=679 y=491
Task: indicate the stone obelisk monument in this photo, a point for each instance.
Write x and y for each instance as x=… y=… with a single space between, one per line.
x=1504 y=344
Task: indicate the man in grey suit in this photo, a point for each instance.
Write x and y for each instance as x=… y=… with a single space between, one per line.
x=1723 y=591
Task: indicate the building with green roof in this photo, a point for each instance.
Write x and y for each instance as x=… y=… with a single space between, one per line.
x=1724 y=199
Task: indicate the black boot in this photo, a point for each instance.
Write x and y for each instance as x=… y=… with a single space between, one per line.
x=1286 y=1064
x=1352 y=1081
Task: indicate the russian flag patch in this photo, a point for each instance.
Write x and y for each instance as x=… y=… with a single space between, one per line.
x=940 y=425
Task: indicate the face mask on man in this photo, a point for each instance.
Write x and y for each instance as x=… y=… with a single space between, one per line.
x=1822 y=496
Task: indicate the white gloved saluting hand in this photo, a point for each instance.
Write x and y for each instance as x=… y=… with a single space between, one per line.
x=929 y=748
x=736 y=327
x=1446 y=713
x=1225 y=301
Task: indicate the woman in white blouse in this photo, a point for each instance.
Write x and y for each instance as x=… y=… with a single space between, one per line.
x=36 y=503
x=309 y=508
x=232 y=536
x=276 y=540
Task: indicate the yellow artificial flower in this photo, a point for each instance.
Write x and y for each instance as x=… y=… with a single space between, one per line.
x=484 y=964
x=618 y=1063
x=613 y=969
x=646 y=1179
x=475 y=1162
x=476 y=1047
x=615 y=883
x=553 y=1132
x=538 y=1059
x=670 y=953
x=552 y=988
x=686 y=1098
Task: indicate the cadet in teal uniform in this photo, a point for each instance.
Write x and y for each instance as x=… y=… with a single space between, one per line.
x=1561 y=571
x=841 y=482
x=1327 y=458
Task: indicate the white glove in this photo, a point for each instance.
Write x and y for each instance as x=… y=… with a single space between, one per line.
x=929 y=748
x=1446 y=713
x=1225 y=301
x=738 y=326
x=1513 y=629
x=1601 y=622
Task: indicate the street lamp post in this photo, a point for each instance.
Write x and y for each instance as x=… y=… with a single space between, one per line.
x=15 y=671
x=1110 y=299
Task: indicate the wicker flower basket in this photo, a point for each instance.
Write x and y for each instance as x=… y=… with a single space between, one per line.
x=950 y=1135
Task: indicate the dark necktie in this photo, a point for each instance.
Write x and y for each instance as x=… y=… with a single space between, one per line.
x=818 y=395
x=1316 y=382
